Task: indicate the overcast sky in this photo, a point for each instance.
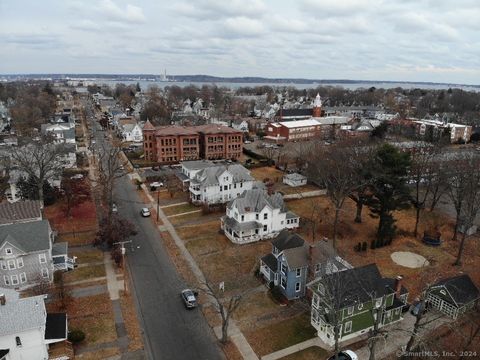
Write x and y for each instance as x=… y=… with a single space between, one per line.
x=413 y=40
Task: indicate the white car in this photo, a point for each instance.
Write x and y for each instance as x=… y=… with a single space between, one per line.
x=145 y=212
x=189 y=298
x=155 y=185
x=345 y=355
x=114 y=208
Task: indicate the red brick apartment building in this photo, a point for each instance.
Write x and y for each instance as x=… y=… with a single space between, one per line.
x=172 y=144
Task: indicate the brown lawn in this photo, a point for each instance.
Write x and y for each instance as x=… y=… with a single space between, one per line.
x=85 y=273
x=87 y=256
x=82 y=220
x=267 y=172
x=350 y=233
x=311 y=353
x=131 y=322
x=280 y=335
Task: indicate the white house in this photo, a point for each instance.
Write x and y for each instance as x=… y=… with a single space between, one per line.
x=219 y=183
x=62 y=133
x=255 y=215
x=240 y=125
x=131 y=132
x=295 y=179
x=26 y=330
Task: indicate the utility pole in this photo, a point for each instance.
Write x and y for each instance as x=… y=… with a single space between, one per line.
x=123 y=250
x=158 y=203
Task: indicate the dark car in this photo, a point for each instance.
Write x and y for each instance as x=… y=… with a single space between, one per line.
x=189 y=298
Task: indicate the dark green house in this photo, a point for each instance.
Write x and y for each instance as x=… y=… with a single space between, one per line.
x=453 y=296
x=351 y=301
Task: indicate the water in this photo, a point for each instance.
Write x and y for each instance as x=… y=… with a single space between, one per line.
x=144 y=84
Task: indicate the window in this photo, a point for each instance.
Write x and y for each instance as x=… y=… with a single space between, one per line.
x=18 y=341
x=8 y=251
x=221 y=188
x=348 y=327
x=23 y=278
x=299 y=272
x=6 y=280
x=14 y=280
x=42 y=258
x=11 y=265
x=3 y=265
x=225 y=188
x=281 y=222
x=297 y=287
x=256 y=216
x=265 y=216
x=350 y=310
x=265 y=227
x=284 y=269
x=284 y=282
x=243 y=217
x=360 y=306
x=45 y=272
x=20 y=263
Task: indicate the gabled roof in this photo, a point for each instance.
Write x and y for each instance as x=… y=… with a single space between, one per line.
x=357 y=285
x=29 y=236
x=148 y=126
x=255 y=200
x=22 y=314
x=461 y=288
x=287 y=240
x=20 y=211
x=210 y=175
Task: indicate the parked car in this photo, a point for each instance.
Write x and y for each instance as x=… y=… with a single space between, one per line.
x=145 y=212
x=114 y=208
x=155 y=185
x=189 y=298
x=345 y=355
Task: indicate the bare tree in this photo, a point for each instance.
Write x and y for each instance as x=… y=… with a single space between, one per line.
x=422 y=176
x=110 y=168
x=338 y=169
x=464 y=193
x=40 y=159
x=225 y=307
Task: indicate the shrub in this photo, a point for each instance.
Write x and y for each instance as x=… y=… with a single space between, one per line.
x=76 y=336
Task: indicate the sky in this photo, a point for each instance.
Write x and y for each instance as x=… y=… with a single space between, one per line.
x=398 y=40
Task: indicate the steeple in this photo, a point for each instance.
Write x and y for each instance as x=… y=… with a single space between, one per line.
x=317 y=106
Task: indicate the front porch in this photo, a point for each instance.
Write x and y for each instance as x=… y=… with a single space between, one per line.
x=240 y=233
x=60 y=258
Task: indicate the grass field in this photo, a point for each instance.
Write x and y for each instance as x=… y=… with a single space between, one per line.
x=85 y=273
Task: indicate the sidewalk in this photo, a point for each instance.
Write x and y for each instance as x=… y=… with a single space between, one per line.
x=296 y=348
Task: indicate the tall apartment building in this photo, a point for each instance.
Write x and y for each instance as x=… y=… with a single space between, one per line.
x=172 y=144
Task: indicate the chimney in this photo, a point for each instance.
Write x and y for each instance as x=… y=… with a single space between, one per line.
x=3 y=299
x=398 y=286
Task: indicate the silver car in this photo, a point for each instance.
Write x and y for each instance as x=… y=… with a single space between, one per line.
x=189 y=298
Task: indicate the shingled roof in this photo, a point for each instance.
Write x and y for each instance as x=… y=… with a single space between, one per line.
x=461 y=288
x=20 y=211
x=28 y=237
x=255 y=200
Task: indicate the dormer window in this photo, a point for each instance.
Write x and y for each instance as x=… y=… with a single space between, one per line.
x=8 y=251
x=42 y=258
x=18 y=341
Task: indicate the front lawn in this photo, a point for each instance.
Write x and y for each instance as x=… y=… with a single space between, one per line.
x=280 y=335
x=85 y=273
x=86 y=256
x=311 y=353
x=180 y=209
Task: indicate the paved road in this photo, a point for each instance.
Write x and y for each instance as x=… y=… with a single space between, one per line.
x=171 y=332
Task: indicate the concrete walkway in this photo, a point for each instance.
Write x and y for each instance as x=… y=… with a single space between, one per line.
x=306 y=194
x=295 y=348
x=88 y=291
x=80 y=282
x=114 y=286
x=176 y=204
x=185 y=213
x=235 y=334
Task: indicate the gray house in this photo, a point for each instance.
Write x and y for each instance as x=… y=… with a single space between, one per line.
x=293 y=262
x=454 y=296
x=28 y=255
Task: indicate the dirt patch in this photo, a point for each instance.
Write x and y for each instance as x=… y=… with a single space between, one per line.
x=409 y=259
x=99 y=354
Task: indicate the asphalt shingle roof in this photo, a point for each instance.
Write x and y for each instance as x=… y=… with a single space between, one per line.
x=22 y=314
x=461 y=288
x=56 y=326
x=20 y=211
x=255 y=200
x=29 y=236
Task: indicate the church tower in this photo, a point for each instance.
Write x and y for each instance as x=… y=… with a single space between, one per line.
x=317 y=106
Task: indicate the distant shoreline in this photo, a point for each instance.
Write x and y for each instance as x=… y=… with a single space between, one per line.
x=215 y=79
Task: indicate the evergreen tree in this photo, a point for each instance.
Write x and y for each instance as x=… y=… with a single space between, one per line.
x=388 y=172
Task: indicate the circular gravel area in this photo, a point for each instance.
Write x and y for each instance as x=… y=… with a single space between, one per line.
x=409 y=259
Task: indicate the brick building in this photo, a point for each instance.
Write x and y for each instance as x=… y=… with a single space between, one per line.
x=172 y=144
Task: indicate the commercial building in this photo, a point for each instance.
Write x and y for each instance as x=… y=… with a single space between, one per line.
x=172 y=144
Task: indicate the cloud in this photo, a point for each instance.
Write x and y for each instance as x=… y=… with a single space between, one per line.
x=340 y=8
x=31 y=40
x=242 y=27
x=131 y=13
x=217 y=9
